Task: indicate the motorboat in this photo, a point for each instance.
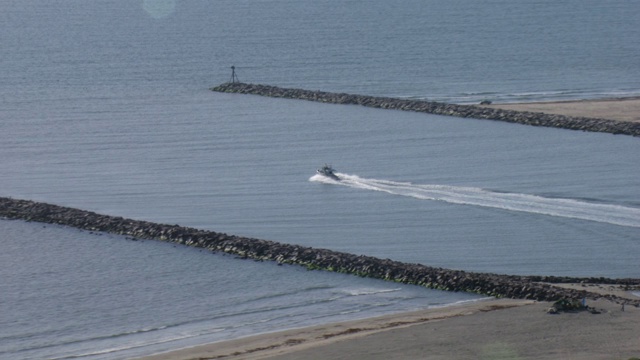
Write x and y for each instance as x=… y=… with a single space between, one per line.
x=328 y=171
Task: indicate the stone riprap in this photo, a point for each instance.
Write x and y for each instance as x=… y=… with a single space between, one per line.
x=437 y=108
x=520 y=287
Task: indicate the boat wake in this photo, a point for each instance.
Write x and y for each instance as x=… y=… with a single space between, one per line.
x=568 y=208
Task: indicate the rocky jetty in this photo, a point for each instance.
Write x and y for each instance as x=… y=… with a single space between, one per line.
x=463 y=111
x=521 y=287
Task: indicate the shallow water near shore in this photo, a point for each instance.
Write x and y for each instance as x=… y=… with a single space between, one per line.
x=106 y=107
x=131 y=298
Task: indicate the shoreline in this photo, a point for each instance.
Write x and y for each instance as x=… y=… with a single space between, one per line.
x=518 y=328
x=513 y=323
x=290 y=340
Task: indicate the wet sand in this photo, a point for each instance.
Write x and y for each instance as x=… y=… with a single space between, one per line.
x=621 y=109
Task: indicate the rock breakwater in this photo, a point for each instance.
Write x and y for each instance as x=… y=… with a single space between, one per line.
x=521 y=287
x=437 y=108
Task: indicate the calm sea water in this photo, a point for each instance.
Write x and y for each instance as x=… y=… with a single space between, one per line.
x=105 y=107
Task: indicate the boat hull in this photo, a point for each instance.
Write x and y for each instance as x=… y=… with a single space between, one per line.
x=330 y=175
x=328 y=172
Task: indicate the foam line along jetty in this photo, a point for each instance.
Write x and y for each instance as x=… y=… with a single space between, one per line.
x=438 y=108
x=508 y=286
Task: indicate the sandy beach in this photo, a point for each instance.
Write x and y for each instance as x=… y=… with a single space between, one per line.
x=621 y=109
x=490 y=329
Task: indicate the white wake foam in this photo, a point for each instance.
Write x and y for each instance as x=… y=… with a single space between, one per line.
x=568 y=208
